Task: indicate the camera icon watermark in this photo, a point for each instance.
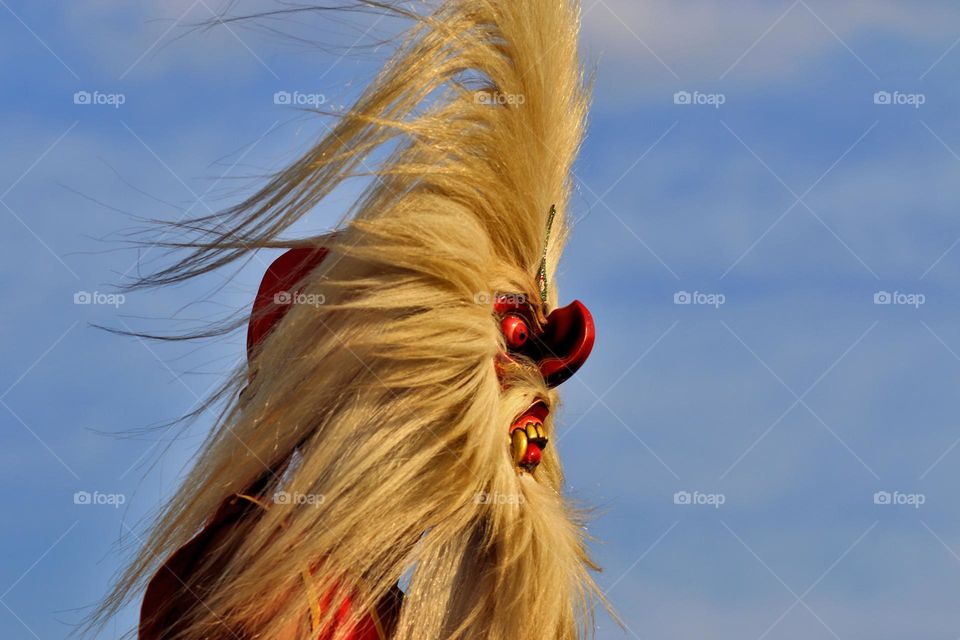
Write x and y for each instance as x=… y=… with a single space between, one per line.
x=95 y=498
x=286 y=298
x=299 y=499
x=98 y=98
x=489 y=297
x=495 y=498
x=896 y=498
x=698 y=98
x=715 y=300
x=897 y=98
x=915 y=300
x=96 y=298
x=299 y=99
x=498 y=98
x=696 y=498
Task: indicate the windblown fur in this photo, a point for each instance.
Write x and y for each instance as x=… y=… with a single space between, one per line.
x=383 y=403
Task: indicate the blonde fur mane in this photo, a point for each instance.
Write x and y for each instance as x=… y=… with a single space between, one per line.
x=383 y=402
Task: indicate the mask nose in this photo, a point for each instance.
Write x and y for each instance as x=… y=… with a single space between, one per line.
x=565 y=343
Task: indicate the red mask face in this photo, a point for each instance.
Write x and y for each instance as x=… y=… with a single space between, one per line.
x=558 y=346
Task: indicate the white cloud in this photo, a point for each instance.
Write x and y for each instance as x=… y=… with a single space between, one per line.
x=134 y=40
x=701 y=39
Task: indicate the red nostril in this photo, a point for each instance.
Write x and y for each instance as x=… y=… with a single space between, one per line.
x=515 y=331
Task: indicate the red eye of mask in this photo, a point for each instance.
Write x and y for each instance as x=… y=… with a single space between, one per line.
x=515 y=331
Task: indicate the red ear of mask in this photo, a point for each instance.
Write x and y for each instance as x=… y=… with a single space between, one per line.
x=277 y=290
x=565 y=343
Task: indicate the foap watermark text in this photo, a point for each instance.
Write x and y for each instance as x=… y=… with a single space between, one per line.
x=99 y=99
x=698 y=98
x=698 y=498
x=899 y=298
x=283 y=298
x=498 y=98
x=495 y=498
x=299 y=99
x=96 y=498
x=700 y=298
x=897 y=98
x=299 y=499
x=896 y=498
x=97 y=298
x=488 y=297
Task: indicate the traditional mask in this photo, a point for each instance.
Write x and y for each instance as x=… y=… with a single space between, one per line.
x=558 y=346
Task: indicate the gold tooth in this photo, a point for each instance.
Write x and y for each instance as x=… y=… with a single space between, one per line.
x=518 y=445
x=532 y=430
x=541 y=431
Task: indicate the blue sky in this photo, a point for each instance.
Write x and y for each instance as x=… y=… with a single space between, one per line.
x=795 y=203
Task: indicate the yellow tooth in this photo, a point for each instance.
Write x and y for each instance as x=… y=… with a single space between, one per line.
x=532 y=430
x=541 y=431
x=518 y=445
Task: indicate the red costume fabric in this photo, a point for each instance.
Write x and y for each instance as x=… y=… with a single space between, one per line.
x=166 y=601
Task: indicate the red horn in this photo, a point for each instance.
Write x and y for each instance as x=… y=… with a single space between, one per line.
x=277 y=290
